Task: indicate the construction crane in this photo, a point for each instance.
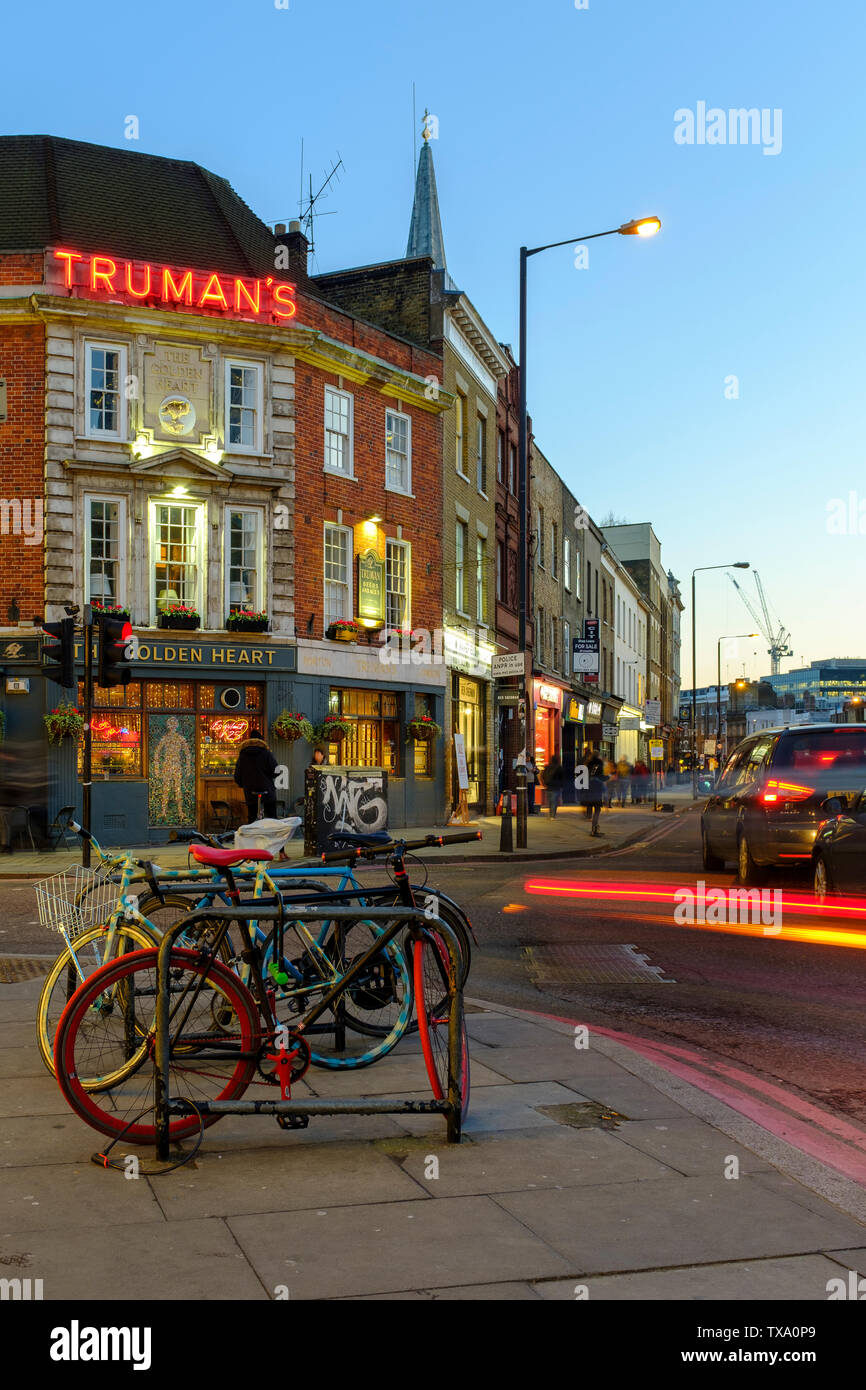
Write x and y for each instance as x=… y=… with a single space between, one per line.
x=777 y=639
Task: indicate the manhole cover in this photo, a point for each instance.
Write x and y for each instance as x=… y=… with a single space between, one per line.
x=14 y=969
x=591 y=963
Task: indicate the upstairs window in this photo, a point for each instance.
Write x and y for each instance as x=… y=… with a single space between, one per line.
x=338 y=432
x=244 y=587
x=338 y=573
x=105 y=551
x=398 y=452
x=106 y=403
x=244 y=407
x=397 y=569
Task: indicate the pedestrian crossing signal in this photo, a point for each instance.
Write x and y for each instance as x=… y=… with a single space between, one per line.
x=115 y=636
x=62 y=650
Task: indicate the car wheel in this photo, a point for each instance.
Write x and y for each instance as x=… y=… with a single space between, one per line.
x=822 y=882
x=749 y=873
x=712 y=862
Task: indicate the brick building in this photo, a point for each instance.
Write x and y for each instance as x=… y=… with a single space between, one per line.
x=200 y=428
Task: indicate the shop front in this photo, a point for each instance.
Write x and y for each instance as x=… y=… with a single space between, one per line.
x=573 y=725
x=164 y=747
x=469 y=718
x=628 y=738
x=547 y=701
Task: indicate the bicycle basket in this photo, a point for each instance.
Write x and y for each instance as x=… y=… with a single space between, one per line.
x=74 y=900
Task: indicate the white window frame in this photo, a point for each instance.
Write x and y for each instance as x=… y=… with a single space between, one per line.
x=260 y=601
x=400 y=415
x=461 y=402
x=200 y=509
x=346 y=396
x=122 y=598
x=566 y=647
x=481 y=454
x=462 y=531
x=480 y=579
x=350 y=566
x=391 y=543
x=554 y=547
x=566 y=563
x=122 y=432
x=248 y=363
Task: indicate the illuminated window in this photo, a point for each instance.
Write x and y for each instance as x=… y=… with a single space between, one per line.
x=106 y=405
x=177 y=533
x=338 y=432
x=243 y=423
x=397 y=571
x=338 y=573
x=105 y=551
x=398 y=452
x=374 y=718
x=244 y=568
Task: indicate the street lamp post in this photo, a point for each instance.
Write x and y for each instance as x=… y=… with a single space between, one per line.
x=737 y=565
x=730 y=638
x=644 y=226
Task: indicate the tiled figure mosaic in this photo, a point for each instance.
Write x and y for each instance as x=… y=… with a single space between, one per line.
x=172 y=769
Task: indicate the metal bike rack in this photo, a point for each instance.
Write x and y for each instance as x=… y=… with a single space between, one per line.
x=400 y=917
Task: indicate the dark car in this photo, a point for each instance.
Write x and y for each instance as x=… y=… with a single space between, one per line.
x=766 y=806
x=839 y=852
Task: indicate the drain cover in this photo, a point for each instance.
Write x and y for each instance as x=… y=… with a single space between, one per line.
x=591 y=964
x=14 y=969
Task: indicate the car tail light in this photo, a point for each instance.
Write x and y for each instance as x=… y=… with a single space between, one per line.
x=775 y=791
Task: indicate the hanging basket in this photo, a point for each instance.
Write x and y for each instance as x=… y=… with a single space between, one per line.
x=423 y=727
x=333 y=729
x=291 y=727
x=64 y=722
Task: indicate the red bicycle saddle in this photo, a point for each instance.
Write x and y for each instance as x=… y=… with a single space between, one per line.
x=225 y=858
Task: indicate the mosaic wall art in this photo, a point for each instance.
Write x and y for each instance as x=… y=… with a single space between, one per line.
x=171 y=780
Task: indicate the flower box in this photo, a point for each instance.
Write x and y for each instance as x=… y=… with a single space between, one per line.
x=109 y=610
x=243 y=620
x=344 y=631
x=181 y=618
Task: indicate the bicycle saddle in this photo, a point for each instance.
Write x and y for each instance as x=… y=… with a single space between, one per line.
x=225 y=858
x=373 y=838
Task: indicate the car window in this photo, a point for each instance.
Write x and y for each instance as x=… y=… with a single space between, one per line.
x=737 y=768
x=822 y=750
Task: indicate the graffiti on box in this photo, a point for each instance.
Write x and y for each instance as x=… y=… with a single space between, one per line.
x=345 y=799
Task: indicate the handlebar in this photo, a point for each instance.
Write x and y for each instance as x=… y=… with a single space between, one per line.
x=395 y=847
x=185 y=837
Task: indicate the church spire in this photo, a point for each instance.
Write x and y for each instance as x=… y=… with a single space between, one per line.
x=425 y=229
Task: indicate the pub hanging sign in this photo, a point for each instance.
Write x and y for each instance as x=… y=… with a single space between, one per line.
x=371 y=587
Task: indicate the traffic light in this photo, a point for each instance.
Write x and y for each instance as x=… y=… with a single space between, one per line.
x=115 y=635
x=61 y=650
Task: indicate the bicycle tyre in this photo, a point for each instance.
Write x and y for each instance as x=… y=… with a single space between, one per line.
x=435 y=1005
x=123 y=1110
x=57 y=991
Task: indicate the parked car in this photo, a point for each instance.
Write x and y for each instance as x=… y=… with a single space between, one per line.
x=839 y=851
x=766 y=806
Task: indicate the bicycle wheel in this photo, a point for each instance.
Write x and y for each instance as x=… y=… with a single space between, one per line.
x=163 y=912
x=382 y=993
x=92 y=949
x=98 y=1035
x=437 y=1003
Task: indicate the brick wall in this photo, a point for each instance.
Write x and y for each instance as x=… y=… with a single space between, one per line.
x=320 y=495
x=395 y=295
x=22 y=450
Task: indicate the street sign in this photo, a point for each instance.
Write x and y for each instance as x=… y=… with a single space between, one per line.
x=653 y=712
x=462 y=770
x=656 y=750
x=509 y=664
x=608 y=731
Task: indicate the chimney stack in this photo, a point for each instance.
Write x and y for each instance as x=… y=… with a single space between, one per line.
x=291 y=250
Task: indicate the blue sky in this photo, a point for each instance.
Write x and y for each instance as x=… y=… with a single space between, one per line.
x=555 y=122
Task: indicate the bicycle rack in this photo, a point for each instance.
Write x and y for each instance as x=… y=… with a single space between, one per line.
x=399 y=918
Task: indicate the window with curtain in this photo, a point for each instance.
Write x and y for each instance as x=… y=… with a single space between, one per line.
x=179 y=558
x=397 y=569
x=338 y=563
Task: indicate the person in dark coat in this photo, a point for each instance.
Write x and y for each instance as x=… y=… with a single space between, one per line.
x=254 y=774
x=595 y=794
x=552 y=777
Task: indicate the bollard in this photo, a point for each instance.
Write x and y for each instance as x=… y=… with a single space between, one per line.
x=506 y=840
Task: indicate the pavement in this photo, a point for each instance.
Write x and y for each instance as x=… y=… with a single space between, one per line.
x=588 y=1169
x=563 y=836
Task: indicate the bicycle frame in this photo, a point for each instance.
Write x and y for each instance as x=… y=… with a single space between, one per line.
x=395 y=921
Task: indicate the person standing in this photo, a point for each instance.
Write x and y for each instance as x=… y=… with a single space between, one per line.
x=623 y=780
x=531 y=779
x=254 y=774
x=640 y=784
x=552 y=779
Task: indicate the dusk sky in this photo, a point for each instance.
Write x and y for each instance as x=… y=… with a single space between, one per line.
x=554 y=122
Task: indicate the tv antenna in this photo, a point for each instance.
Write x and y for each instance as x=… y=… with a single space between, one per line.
x=308 y=206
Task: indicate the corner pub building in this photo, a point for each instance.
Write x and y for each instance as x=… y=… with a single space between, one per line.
x=185 y=421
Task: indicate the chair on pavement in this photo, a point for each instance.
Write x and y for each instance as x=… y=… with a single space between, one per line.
x=59 y=829
x=220 y=817
x=18 y=823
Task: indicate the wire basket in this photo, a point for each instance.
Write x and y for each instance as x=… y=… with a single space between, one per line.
x=74 y=900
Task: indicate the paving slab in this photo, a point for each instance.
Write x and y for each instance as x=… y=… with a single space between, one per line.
x=850 y=1259
x=552 y=1059
x=392 y=1076
x=267 y=1180
x=634 y=1099
x=497 y=1030
x=199 y=1260
x=347 y=1251
x=522 y=1161
x=690 y=1146
x=236 y=1132
x=23 y=1060
x=58 y=1196
x=698 y=1220
x=497 y=1108
x=37 y=1140
x=494 y=1293
x=778 y=1280
x=32 y=1095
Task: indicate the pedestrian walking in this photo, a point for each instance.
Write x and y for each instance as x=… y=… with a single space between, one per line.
x=552 y=778
x=640 y=781
x=609 y=773
x=254 y=774
x=598 y=781
x=623 y=780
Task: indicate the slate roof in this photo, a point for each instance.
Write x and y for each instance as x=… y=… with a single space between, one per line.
x=56 y=192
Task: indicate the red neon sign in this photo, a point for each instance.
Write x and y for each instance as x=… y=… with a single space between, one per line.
x=213 y=290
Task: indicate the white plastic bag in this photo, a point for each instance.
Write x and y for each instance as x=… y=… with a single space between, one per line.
x=266 y=834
